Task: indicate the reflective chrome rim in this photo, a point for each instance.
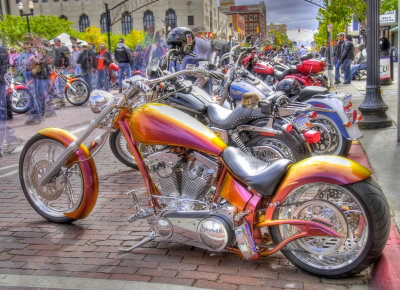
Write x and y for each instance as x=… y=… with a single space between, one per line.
x=333 y=140
x=331 y=205
x=81 y=92
x=20 y=100
x=282 y=148
x=64 y=193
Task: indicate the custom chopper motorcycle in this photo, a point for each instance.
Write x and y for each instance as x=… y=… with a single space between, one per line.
x=270 y=132
x=325 y=213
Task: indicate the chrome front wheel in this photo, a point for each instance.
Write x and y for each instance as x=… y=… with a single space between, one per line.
x=63 y=193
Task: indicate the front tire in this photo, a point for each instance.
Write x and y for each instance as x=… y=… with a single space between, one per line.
x=365 y=212
x=121 y=150
x=81 y=95
x=63 y=194
x=21 y=103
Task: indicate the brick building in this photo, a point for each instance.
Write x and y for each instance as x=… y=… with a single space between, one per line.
x=254 y=16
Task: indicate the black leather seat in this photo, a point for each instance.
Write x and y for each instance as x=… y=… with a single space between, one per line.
x=312 y=91
x=227 y=119
x=260 y=175
x=281 y=75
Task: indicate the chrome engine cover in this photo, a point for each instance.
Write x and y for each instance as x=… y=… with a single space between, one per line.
x=211 y=230
x=188 y=176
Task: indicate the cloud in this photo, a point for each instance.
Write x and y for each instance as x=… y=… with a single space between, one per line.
x=305 y=37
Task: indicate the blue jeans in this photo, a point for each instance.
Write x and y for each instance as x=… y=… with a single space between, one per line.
x=337 y=71
x=124 y=67
x=102 y=80
x=6 y=133
x=88 y=79
x=346 y=69
x=356 y=67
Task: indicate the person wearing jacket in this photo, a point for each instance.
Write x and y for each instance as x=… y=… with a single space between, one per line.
x=347 y=56
x=123 y=56
x=103 y=60
x=87 y=61
x=337 y=56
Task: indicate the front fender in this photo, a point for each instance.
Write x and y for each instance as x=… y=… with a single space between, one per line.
x=88 y=167
x=325 y=169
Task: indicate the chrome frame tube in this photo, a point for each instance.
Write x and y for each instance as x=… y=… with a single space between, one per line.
x=74 y=146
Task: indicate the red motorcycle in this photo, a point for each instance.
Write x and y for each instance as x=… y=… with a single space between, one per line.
x=113 y=75
x=309 y=72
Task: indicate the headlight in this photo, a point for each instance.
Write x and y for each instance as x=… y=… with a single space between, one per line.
x=98 y=99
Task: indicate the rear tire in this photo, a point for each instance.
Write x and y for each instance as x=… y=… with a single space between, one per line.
x=82 y=93
x=367 y=220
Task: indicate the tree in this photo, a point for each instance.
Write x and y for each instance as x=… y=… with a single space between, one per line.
x=14 y=28
x=389 y=5
x=134 y=38
x=94 y=35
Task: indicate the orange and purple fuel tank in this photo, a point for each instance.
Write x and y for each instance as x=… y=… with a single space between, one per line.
x=159 y=124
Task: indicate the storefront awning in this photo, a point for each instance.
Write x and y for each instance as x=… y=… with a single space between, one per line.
x=394 y=29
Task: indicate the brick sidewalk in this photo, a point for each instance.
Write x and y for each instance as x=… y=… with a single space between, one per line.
x=89 y=248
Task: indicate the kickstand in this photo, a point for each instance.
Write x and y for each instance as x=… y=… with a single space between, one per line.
x=145 y=240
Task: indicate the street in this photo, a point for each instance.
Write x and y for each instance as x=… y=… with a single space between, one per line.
x=32 y=247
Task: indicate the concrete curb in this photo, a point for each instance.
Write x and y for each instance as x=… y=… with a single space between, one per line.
x=385 y=273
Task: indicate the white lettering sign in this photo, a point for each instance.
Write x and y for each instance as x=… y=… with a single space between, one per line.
x=388 y=17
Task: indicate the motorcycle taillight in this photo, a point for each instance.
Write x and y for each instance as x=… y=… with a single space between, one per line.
x=312 y=136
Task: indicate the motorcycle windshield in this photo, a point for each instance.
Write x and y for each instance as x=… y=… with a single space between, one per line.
x=154 y=54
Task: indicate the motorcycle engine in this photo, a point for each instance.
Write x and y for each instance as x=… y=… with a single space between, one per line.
x=181 y=174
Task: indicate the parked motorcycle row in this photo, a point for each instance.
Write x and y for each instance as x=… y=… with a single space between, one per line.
x=246 y=170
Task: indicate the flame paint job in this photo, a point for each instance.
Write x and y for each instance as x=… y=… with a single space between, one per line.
x=153 y=124
x=235 y=193
x=89 y=172
x=327 y=169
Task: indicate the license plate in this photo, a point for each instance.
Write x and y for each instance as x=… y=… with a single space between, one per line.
x=347 y=102
x=301 y=122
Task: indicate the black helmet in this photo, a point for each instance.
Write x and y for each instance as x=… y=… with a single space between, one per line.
x=182 y=39
x=290 y=87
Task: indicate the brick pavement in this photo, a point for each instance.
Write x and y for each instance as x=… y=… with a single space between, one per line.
x=89 y=248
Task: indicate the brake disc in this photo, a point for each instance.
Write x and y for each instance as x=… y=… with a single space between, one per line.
x=53 y=189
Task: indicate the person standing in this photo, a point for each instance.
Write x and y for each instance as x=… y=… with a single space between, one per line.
x=337 y=56
x=347 y=56
x=61 y=61
x=6 y=133
x=87 y=63
x=74 y=57
x=123 y=56
x=103 y=59
x=302 y=51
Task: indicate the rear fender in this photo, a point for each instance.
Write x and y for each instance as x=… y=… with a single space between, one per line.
x=20 y=87
x=324 y=169
x=88 y=167
x=340 y=117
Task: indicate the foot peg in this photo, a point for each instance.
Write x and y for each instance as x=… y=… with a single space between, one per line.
x=145 y=240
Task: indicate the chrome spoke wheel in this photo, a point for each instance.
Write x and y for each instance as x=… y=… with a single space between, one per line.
x=333 y=206
x=63 y=193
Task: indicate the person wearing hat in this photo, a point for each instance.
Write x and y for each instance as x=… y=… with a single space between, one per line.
x=337 y=55
x=123 y=56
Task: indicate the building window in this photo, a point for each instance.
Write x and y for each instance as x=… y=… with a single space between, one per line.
x=251 y=26
x=148 y=21
x=245 y=26
x=190 y=20
x=62 y=16
x=251 y=17
x=127 y=23
x=170 y=18
x=83 y=22
x=255 y=17
x=44 y=0
x=103 y=23
x=245 y=17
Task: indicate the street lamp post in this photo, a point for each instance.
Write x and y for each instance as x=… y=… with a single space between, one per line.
x=373 y=108
x=31 y=6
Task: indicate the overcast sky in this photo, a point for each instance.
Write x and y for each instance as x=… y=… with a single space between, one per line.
x=294 y=13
